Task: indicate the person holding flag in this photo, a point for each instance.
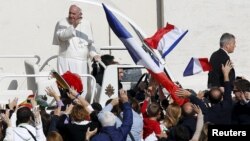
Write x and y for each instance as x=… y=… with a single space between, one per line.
x=140 y=57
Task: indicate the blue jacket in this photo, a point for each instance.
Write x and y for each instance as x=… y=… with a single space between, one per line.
x=111 y=133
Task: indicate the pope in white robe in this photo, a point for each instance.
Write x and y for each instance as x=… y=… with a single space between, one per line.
x=74 y=37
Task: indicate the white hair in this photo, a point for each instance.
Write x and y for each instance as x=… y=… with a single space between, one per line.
x=106 y=118
x=76 y=5
x=225 y=38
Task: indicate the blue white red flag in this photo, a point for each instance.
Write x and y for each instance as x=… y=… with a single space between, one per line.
x=140 y=57
x=197 y=65
x=166 y=39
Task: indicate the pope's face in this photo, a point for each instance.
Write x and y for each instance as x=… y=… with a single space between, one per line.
x=74 y=14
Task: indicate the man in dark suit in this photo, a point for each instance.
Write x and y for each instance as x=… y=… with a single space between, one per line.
x=219 y=57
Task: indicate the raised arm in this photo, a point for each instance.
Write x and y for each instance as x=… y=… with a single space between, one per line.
x=9 y=131
x=39 y=126
x=75 y=96
x=193 y=99
x=110 y=106
x=53 y=94
x=145 y=103
x=64 y=33
x=199 y=123
x=227 y=85
x=127 y=114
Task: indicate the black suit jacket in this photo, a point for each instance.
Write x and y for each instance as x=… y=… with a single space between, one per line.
x=215 y=77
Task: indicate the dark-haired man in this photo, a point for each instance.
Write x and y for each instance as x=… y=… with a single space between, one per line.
x=27 y=129
x=241 y=109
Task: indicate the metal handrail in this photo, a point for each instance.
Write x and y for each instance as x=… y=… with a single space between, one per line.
x=22 y=56
x=55 y=56
x=113 y=48
x=33 y=75
x=93 y=87
x=110 y=48
x=47 y=61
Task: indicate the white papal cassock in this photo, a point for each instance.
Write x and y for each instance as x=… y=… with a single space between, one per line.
x=75 y=47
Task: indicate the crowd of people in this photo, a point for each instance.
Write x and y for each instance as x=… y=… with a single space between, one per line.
x=129 y=116
x=143 y=113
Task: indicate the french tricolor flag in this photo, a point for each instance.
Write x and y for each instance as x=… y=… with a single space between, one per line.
x=140 y=57
x=197 y=65
x=166 y=39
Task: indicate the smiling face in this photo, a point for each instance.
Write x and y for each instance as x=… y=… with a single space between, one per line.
x=74 y=14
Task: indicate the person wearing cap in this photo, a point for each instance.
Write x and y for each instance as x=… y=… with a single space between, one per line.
x=109 y=132
x=74 y=37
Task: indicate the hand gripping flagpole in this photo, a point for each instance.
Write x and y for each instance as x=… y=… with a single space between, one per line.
x=155 y=53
